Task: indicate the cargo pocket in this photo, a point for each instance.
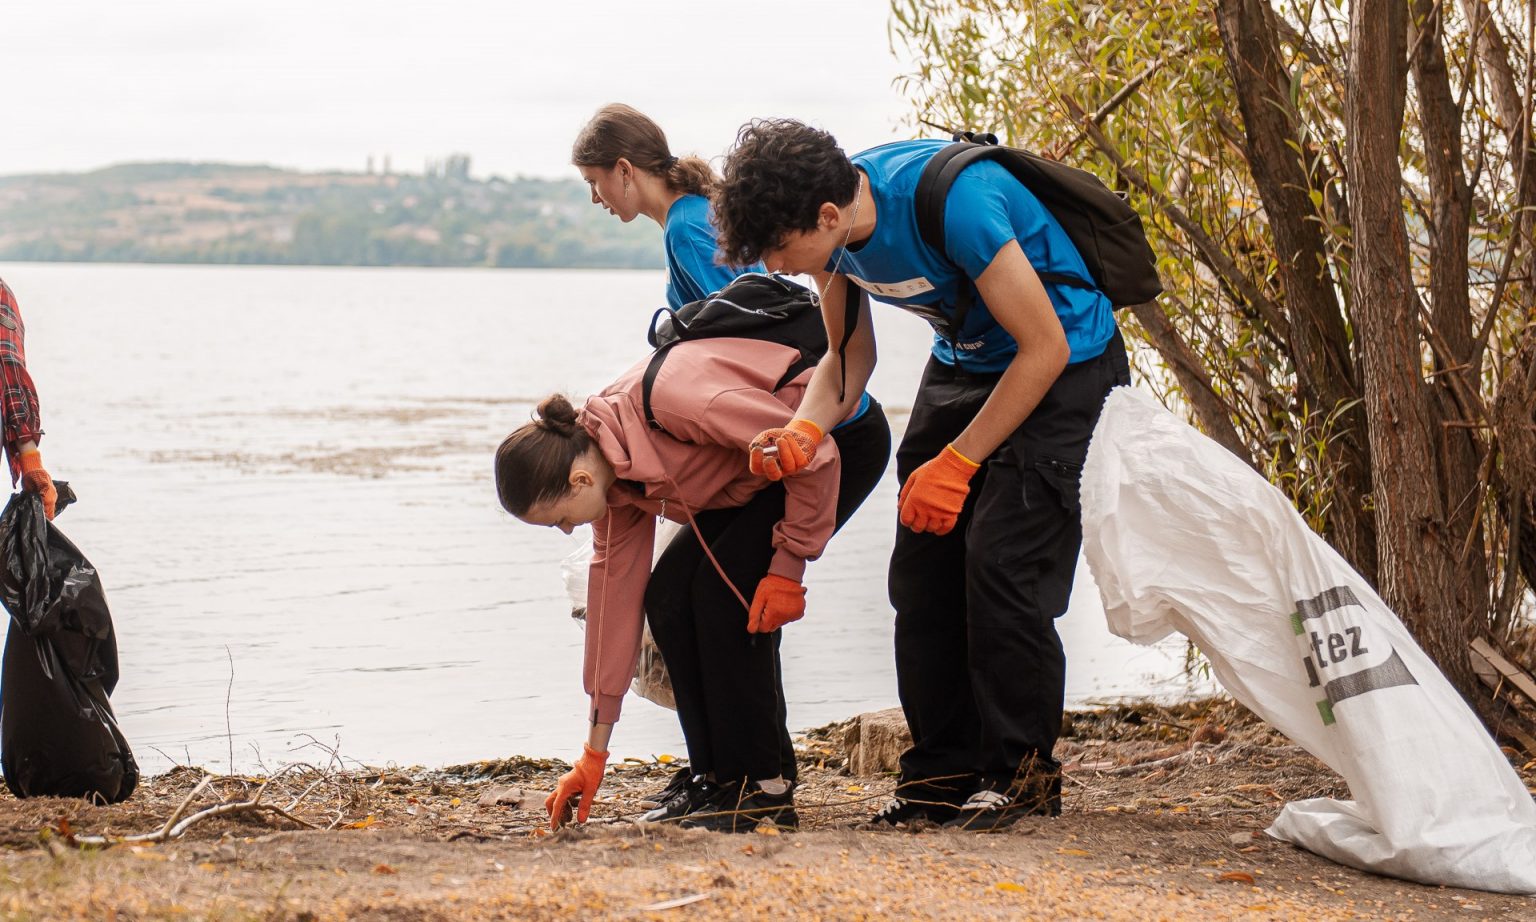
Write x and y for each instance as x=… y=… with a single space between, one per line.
x=1058 y=562
x=1062 y=479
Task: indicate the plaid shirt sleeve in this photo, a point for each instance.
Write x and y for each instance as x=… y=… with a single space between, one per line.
x=18 y=396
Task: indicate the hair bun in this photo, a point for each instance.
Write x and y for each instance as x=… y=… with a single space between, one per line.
x=557 y=415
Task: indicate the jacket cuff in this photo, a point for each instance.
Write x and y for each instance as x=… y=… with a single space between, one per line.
x=605 y=708
x=787 y=565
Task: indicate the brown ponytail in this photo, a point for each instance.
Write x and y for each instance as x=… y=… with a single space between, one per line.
x=533 y=464
x=618 y=131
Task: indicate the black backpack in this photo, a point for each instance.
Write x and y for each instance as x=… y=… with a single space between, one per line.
x=1102 y=225
x=754 y=306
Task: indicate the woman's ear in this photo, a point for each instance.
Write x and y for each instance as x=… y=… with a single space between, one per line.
x=581 y=477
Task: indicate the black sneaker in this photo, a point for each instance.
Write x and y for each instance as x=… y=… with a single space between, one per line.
x=902 y=812
x=742 y=808
x=679 y=779
x=693 y=795
x=986 y=810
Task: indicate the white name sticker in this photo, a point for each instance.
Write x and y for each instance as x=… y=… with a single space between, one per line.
x=911 y=288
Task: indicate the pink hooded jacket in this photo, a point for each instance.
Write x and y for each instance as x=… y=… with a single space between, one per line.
x=712 y=397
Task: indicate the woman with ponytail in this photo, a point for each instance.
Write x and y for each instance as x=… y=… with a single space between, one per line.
x=730 y=577
x=624 y=158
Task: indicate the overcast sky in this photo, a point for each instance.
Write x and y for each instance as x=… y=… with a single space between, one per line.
x=319 y=84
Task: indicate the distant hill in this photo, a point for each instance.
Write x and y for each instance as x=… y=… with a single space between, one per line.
x=223 y=213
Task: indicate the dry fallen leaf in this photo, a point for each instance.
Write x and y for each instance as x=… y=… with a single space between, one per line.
x=1237 y=877
x=1074 y=851
x=364 y=823
x=764 y=829
x=384 y=869
x=666 y=758
x=1012 y=887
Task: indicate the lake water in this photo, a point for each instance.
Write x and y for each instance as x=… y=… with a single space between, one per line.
x=285 y=483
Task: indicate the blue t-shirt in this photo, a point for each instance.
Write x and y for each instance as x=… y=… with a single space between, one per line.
x=689 y=235
x=986 y=208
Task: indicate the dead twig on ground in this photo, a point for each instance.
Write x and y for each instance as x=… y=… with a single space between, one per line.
x=177 y=824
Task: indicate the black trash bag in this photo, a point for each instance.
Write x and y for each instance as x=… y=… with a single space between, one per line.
x=58 y=735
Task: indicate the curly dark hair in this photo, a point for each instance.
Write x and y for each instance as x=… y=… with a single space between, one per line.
x=776 y=179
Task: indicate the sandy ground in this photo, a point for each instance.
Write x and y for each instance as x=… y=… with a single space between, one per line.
x=1163 y=817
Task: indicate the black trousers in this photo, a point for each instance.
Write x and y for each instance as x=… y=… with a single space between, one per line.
x=727 y=682
x=979 y=667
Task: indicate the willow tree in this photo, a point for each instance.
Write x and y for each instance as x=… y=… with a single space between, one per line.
x=1340 y=193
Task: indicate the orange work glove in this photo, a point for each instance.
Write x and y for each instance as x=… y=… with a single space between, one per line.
x=36 y=480
x=581 y=781
x=778 y=601
x=932 y=497
x=784 y=452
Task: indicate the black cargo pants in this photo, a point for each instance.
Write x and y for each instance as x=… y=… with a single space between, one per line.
x=727 y=682
x=979 y=667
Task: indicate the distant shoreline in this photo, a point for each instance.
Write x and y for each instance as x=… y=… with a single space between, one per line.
x=225 y=214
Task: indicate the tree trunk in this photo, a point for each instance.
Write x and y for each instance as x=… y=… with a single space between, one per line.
x=1450 y=203
x=1420 y=575
x=1514 y=407
x=1319 y=342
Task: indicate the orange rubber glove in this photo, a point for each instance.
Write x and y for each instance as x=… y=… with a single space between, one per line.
x=778 y=601
x=784 y=452
x=581 y=781
x=932 y=497
x=36 y=480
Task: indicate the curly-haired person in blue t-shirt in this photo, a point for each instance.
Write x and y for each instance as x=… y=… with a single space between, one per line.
x=992 y=454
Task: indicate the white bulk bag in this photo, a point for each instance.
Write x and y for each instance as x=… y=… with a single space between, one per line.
x=1182 y=536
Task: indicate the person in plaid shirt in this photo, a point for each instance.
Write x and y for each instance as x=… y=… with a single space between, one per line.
x=22 y=425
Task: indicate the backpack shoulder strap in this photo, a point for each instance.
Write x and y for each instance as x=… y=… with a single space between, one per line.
x=648 y=383
x=930 y=197
x=934 y=183
x=939 y=176
x=677 y=328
